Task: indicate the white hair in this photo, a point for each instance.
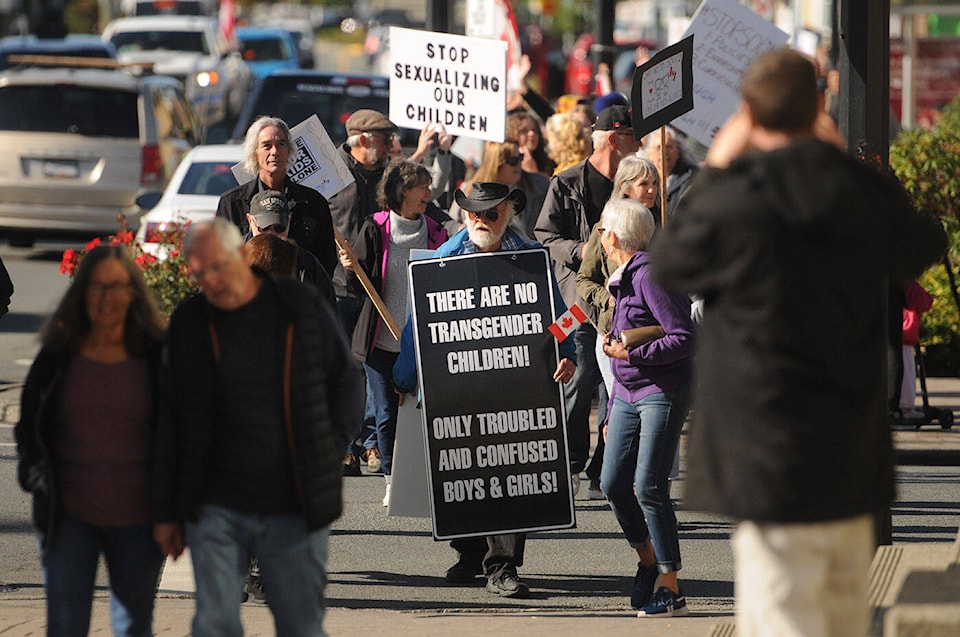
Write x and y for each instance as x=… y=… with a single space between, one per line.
x=253 y=133
x=225 y=232
x=600 y=139
x=631 y=221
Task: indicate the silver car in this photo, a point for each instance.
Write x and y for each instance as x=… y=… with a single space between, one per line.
x=80 y=144
x=191 y=49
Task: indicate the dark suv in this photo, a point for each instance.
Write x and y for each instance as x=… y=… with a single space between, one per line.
x=293 y=96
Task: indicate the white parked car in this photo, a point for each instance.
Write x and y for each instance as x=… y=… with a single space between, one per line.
x=191 y=49
x=192 y=194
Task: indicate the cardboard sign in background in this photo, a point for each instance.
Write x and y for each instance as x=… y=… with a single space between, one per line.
x=489 y=400
x=314 y=161
x=663 y=88
x=728 y=38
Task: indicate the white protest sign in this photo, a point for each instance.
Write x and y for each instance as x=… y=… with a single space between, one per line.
x=481 y=19
x=458 y=81
x=728 y=36
x=661 y=90
x=314 y=161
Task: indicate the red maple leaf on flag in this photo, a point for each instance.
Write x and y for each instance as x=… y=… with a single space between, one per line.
x=566 y=323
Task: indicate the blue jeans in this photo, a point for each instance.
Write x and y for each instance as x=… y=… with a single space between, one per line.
x=578 y=396
x=293 y=568
x=70 y=569
x=642 y=438
x=382 y=402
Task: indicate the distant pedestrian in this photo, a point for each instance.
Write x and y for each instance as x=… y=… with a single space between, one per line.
x=678 y=170
x=270 y=214
x=490 y=208
x=648 y=406
x=261 y=394
x=916 y=301
x=571 y=209
x=87 y=422
x=383 y=251
x=791 y=243
x=267 y=148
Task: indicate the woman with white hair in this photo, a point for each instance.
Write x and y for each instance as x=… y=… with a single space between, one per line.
x=648 y=406
x=677 y=168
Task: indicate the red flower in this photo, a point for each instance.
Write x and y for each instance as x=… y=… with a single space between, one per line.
x=93 y=243
x=125 y=237
x=69 y=262
x=174 y=253
x=145 y=259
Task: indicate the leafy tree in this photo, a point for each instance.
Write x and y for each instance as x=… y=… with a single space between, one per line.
x=927 y=162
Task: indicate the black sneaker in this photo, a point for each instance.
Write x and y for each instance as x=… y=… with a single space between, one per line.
x=665 y=603
x=507 y=584
x=351 y=465
x=462 y=573
x=643 y=583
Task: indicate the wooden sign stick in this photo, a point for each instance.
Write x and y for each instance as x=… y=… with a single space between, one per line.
x=663 y=178
x=367 y=284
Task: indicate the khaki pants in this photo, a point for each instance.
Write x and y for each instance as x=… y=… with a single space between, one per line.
x=803 y=580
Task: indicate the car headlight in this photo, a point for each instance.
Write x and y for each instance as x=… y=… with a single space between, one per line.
x=207 y=79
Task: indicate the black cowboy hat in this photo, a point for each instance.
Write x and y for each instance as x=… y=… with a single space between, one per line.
x=488 y=194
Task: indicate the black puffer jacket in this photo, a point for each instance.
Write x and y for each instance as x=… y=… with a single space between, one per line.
x=36 y=429
x=323 y=396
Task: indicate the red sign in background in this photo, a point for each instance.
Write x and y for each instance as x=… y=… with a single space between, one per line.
x=936 y=73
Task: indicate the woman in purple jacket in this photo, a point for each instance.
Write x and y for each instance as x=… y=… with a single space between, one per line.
x=649 y=403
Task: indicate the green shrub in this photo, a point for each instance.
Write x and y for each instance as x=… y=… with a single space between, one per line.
x=927 y=162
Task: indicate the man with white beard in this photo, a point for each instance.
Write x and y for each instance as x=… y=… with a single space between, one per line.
x=490 y=208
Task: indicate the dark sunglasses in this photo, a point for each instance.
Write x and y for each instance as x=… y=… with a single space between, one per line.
x=490 y=215
x=513 y=160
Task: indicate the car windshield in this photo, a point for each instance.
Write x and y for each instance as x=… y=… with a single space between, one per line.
x=80 y=110
x=293 y=104
x=133 y=41
x=208 y=178
x=264 y=49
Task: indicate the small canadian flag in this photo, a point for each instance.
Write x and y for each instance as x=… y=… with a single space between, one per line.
x=568 y=322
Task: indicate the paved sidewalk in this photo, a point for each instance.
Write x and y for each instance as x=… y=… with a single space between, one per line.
x=25 y=617
x=22 y=612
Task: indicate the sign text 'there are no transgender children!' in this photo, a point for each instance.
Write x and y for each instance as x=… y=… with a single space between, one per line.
x=493 y=415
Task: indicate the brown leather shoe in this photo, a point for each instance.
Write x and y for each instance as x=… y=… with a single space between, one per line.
x=373 y=461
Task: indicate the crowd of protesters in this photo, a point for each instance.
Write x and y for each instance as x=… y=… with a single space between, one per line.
x=230 y=429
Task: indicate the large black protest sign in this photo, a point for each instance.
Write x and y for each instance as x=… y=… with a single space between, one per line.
x=663 y=88
x=493 y=415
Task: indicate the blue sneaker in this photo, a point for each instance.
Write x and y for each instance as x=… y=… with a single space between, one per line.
x=665 y=603
x=643 y=583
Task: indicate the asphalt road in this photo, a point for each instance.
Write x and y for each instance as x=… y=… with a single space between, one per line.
x=393 y=563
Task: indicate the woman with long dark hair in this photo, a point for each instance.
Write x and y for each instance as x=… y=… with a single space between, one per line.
x=84 y=439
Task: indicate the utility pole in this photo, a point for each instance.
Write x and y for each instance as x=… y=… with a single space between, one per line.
x=603 y=34
x=864 y=65
x=438 y=16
